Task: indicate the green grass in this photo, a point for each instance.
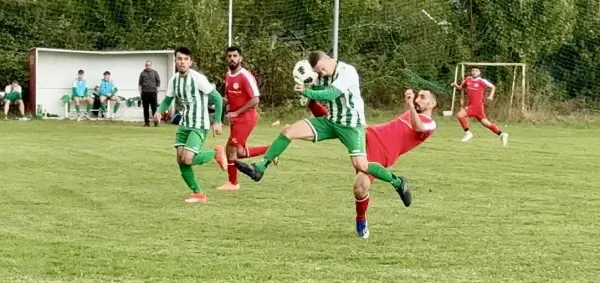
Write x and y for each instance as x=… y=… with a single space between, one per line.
x=101 y=202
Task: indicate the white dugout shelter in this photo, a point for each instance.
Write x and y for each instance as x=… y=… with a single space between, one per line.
x=52 y=72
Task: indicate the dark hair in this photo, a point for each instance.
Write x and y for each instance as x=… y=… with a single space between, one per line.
x=183 y=50
x=314 y=57
x=80 y=72
x=15 y=82
x=234 y=48
x=433 y=96
x=106 y=73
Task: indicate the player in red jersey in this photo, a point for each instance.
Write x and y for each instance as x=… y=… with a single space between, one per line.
x=242 y=95
x=475 y=87
x=387 y=142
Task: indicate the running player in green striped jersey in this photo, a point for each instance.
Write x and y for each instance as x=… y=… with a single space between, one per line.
x=340 y=87
x=193 y=90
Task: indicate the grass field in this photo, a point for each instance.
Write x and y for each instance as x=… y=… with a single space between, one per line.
x=102 y=202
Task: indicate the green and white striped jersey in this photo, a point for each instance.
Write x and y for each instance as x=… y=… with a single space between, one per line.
x=347 y=109
x=192 y=91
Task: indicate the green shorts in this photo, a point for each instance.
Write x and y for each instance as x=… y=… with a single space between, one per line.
x=190 y=138
x=12 y=97
x=352 y=138
x=80 y=96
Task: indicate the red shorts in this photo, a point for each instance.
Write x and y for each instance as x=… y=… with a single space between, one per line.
x=240 y=129
x=377 y=152
x=476 y=111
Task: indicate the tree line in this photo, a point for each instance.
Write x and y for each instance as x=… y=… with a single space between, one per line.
x=393 y=44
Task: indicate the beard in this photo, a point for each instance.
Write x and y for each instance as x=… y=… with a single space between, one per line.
x=233 y=65
x=418 y=108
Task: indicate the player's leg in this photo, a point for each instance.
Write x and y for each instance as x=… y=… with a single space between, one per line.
x=6 y=107
x=241 y=137
x=495 y=129
x=153 y=105
x=103 y=100
x=313 y=129
x=354 y=140
x=21 y=105
x=317 y=109
x=77 y=102
x=463 y=119
x=362 y=182
x=190 y=154
x=89 y=101
x=117 y=102
x=146 y=108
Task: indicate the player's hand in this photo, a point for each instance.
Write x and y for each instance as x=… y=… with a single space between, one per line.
x=490 y=98
x=157 y=117
x=217 y=129
x=231 y=115
x=409 y=96
x=454 y=85
x=299 y=88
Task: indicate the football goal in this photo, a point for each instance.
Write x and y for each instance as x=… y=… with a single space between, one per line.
x=519 y=74
x=52 y=72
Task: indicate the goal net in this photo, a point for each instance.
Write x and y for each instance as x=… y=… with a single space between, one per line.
x=393 y=44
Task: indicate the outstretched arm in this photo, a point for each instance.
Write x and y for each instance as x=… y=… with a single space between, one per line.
x=325 y=94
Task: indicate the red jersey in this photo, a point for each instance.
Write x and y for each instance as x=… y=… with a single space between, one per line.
x=239 y=89
x=398 y=137
x=475 y=89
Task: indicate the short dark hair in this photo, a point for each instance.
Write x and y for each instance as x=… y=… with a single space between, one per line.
x=106 y=73
x=433 y=96
x=234 y=48
x=15 y=82
x=314 y=57
x=80 y=72
x=183 y=50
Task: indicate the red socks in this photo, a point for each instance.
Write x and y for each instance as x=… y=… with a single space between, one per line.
x=317 y=109
x=256 y=151
x=232 y=172
x=464 y=122
x=361 y=208
x=495 y=129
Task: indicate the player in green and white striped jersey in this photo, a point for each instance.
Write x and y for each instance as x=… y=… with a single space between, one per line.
x=193 y=90
x=340 y=87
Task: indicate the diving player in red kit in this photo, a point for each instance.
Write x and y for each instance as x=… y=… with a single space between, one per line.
x=475 y=87
x=241 y=92
x=387 y=142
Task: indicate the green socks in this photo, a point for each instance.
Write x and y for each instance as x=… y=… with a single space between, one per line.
x=203 y=157
x=77 y=109
x=381 y=173
x=277 y=148
x=88 y=108
x=116 y=107
x=103 y=107
x=187 y=173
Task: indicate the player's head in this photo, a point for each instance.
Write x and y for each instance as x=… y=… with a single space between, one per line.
x=106 y=75
x=234 y=57
x=321 y=63
x=183 y=59
x=475 y=72
x=148 y=64
x=80 y=74
x=15 y=83
x=425 y=101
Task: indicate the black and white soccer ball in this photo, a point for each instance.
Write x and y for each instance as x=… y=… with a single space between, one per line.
x=304 y=74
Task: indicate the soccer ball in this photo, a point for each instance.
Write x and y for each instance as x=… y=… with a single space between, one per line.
x=304 y=74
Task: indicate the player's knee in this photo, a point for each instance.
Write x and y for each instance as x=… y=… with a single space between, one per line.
x=361 y=185
x=360 y=164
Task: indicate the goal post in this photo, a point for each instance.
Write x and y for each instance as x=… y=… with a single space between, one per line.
x=460 y=69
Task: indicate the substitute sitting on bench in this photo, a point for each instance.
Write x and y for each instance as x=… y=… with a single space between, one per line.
x=107 y=91
x=13 y=95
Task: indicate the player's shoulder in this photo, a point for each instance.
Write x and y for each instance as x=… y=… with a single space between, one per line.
x=343 y=66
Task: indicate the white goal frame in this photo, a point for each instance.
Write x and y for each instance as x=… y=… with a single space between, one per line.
x=515 y=66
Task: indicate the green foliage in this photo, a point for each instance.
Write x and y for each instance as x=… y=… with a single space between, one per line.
x=393 y=46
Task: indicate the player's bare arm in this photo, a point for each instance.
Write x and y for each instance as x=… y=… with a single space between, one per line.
x=456 y=86
x=492 y=93
x=250 y=104
x=409 y=100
